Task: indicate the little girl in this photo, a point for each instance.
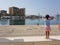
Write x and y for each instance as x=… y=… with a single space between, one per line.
x=47 y=26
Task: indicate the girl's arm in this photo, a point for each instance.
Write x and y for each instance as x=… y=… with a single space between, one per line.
x=51 y=18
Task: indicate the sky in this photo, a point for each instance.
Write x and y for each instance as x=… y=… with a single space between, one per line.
x=34 y=7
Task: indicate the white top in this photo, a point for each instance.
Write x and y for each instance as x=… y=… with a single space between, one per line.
x=47 y=22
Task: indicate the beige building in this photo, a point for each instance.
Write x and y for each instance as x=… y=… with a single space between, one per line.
x=22 y=11
x=16 y=11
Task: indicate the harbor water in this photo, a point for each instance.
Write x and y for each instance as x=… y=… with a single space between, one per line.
x=27 y=22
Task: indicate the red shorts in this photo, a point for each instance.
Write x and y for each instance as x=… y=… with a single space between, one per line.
x=47 y=28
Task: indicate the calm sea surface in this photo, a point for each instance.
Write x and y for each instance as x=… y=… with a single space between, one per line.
x=28 y=22
x=40 y=22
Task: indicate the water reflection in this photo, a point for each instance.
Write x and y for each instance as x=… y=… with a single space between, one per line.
x=17 y=22
x=27 y=22
x=39 y=21
x=4 y=22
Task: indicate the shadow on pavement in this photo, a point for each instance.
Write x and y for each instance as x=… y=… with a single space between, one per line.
x=8 y=40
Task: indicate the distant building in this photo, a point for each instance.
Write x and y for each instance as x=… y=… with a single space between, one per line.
x=34 y=16
x=14 y=11
x=58 y=17
x=3 y=12
x=22 y=11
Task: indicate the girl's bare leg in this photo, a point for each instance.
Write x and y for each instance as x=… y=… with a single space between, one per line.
x=47 y=34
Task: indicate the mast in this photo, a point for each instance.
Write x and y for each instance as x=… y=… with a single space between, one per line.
x=38 y=19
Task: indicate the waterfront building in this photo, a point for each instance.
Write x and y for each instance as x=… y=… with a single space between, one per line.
x=22 y=12
x=3 y=12
x=17 y=15
x=14 y=11
x=58 y=17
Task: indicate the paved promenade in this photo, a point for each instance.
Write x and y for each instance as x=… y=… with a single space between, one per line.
x=32 y=30
x=28 y=35
x=29 y=39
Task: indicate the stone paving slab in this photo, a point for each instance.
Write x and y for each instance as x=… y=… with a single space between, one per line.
x=28 y=39
x=21 y=30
